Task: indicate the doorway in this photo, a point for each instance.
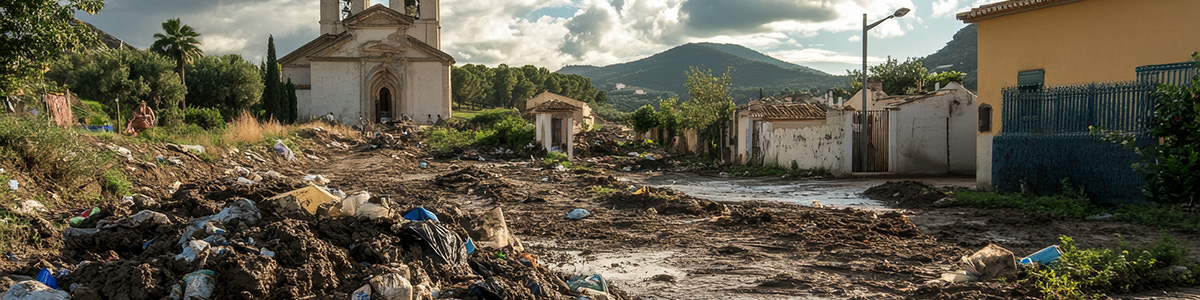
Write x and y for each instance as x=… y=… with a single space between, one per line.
x=383 y=104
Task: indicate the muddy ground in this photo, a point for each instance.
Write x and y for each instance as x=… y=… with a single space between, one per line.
x=656 y=243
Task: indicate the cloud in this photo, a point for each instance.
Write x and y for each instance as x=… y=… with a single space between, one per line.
x=813 y=55
x=944 y=8
x=599 y=32
x=855 y=38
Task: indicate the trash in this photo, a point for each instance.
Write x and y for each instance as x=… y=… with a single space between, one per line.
x=211 y=229
x=358 y=205
x=175 y=161
x=578 y=213
x=33 y=290
x=529 y=260
x=175 y=186
x=391 y=286
x=45 y=277
x=245 y=181
x=593 y=282
x=192 y=250
x=633 y=154
x=283 y=150
x=309 y=198
x=492 y=231
x=560 y=168
x=241 y=211
x=990 y=262
x=193 y=148
x=142 y=217
x=1100 y=217
x=424 y=165
x=316 y=179
x=84 y=218
x=945 y=202
x=267 y=253
x=640 y=191
x=1046 y=256
x=30 y=207
x=362 y=293
x=470 y=246
x=445 y=245
x=420 y=214
x=956 y=277
x=197 y=285
x=13 y=184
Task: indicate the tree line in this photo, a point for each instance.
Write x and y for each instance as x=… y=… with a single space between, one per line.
x=478 y=86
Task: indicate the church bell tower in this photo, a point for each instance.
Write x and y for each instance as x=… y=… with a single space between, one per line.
x=334 y=11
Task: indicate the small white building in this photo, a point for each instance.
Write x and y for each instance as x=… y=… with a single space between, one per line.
x=552 y=122
x=370 y=64
x=932 y=133
x=583 y=119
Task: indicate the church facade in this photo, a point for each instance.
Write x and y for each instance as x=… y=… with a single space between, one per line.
x=373 y=63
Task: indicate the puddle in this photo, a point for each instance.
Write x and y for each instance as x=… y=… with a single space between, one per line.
x=835 y=193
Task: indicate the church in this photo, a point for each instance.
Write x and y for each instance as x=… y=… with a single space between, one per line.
x=373 y=63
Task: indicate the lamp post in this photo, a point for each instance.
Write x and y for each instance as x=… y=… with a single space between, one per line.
x=863 y=125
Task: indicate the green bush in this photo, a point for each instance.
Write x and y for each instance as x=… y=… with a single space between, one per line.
x=488 y=117
x=117 y=183
x=35 y=147
x=443 y=139
x=511 y=132
x=207 y=118
x=1090 y=273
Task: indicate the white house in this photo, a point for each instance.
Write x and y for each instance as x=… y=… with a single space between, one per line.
x=582 y=119
x=932 y=133
x=371 y=64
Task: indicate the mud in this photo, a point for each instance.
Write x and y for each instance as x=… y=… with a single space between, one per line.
x=660 y=243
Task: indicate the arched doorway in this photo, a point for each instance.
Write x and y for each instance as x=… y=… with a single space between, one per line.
x=383 y=103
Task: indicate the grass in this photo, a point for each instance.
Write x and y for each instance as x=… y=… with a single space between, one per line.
x=117 y=183
x=33 y=146
x=1076 y=205
x=775 y=171
x=601 y=190
x=1091 y=273
x=465 y=113
x=12 y=231
x=245 y=130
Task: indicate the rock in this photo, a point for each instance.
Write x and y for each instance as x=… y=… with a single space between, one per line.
x=945 y=202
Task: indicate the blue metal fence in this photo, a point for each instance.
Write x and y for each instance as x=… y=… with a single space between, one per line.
x=1176 y=74
x=1122 y=106
x=1036 y=163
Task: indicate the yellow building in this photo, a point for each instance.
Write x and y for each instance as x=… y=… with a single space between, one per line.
x=1063 y=42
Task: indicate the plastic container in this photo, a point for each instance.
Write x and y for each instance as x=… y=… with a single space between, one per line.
x=1043 y=257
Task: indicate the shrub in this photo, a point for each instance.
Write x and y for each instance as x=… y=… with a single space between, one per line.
x=43 y=150
x=488 y=117
x=117 y=183
x=443 y=139
x=510 y=132
x=1089 y=273
x=246 y=129
x=208 y=118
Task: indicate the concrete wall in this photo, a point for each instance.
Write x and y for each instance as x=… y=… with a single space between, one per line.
x=336 y=88
x=427 y=91
x=934 y=135
x=821 y=146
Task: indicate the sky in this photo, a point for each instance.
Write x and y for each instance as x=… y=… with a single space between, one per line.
x=822 y=34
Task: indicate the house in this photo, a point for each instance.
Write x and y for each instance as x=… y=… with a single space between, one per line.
x=583 y=118
x=772 y=132
x=932 y=133
x=1041 y=56
x=552 y=120
x=373 y=64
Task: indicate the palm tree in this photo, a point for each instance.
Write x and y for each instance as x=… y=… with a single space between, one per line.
x=179 y=43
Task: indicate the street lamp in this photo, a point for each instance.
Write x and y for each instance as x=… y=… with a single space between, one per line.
x=863 y=125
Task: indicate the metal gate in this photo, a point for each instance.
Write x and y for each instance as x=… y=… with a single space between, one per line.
x=876 y=159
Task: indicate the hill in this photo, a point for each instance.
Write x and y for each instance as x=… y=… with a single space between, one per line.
x=960 y=54
x=107 y=40
x=663 y=74
x=576 y=69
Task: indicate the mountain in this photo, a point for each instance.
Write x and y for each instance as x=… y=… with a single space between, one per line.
x=750 y=54
x=107 y=40
x=664 y=74
x=576 y=69
x=960 y=54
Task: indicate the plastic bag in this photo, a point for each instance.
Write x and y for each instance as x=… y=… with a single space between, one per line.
x=595 y=282
x=989 y=262
x=391 y=286
x=445 y=245
x=362 y=293
x=284 y=151
x=241 y=211
x=578 y=213
x=192 y=250
x=33 y=290
x=198 y=285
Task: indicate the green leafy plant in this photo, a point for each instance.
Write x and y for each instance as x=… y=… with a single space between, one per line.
x=117 y=183
x=1090 y=273
x=207 y=118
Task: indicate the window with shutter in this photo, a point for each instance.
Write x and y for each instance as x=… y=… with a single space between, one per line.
x=1032 y=80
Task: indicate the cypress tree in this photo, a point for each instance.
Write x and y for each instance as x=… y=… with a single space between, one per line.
x=271 y=87
x=293 y=109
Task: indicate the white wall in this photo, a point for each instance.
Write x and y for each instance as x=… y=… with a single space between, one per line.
x=336 y=88
x=427 y=91
x=813 y=147
x=934 y=135
x=983 y=161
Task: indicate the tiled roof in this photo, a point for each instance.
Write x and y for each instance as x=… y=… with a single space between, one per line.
x=554 y=106
x=1007 y=7
x=786 y=110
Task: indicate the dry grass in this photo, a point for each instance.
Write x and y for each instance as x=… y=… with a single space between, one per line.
x=338 y=129
x=245 y=129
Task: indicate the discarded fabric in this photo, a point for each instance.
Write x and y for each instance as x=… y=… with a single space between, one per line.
x=578 y=213
x=420 y=214
x=391 y=286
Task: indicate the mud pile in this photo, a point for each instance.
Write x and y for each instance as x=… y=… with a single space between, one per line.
x=907 y=194
x=664 y=201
